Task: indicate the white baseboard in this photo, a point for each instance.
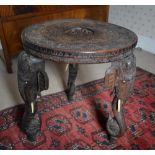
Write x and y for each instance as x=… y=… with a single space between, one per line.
x=146 y=43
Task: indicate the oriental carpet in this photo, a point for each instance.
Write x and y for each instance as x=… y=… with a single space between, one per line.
x=81 y=124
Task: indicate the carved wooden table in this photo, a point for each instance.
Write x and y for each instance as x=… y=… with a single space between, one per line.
x=74 y=42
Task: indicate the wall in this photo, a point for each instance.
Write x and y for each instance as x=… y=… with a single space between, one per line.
x=140 y=19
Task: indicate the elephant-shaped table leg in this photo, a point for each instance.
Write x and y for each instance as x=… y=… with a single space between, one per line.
x=73 y=69
x=125 y=71
x=32 y=79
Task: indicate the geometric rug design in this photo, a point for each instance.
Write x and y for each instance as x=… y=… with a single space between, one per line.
x=81 y=124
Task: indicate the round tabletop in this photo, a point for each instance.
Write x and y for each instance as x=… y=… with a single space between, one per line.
x=78 y=41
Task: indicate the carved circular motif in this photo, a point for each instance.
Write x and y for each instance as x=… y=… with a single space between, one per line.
x=79 y=31
x=77 y=36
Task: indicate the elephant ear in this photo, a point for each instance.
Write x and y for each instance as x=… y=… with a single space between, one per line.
x=43 y=81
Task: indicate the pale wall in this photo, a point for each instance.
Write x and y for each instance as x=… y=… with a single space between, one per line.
x=140 y=19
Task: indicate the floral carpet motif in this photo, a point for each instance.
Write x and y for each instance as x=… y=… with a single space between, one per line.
x=81 y=124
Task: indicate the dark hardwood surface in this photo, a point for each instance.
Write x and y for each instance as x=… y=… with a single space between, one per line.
x=78 y=41
x=13 y=19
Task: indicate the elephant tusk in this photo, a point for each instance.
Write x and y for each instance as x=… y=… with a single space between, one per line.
x=66 y=68
x=32 y=107
x=119 y=105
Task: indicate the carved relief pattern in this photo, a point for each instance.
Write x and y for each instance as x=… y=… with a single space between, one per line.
x=32 y=79
x=85 y=41
x=120 y=79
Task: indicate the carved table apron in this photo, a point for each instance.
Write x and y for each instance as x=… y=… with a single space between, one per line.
x=75 y=41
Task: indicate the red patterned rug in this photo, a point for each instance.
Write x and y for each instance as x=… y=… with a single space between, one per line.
x=81 y=124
